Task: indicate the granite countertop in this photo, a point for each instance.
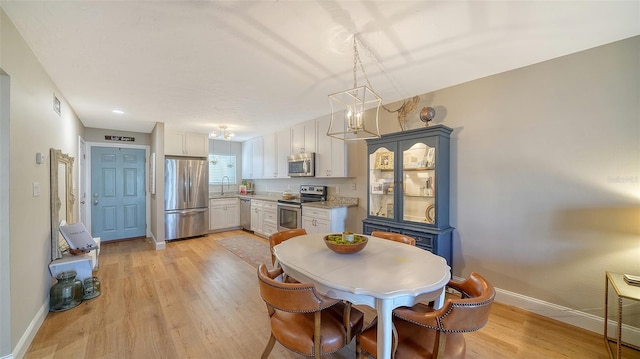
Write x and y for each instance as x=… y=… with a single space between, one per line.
x=334 y=202
x=226 y=195
x=261 y=196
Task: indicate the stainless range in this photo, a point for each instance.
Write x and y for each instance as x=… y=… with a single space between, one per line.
x=290 y=211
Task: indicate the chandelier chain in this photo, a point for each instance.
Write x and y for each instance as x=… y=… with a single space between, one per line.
x=357 y=61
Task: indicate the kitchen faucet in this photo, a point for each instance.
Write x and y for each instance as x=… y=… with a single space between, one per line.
x=222 y=186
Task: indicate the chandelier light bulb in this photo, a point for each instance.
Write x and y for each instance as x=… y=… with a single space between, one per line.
x=224 y=133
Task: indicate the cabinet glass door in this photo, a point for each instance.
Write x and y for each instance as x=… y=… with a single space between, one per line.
x=419 y=175
x=381 y=183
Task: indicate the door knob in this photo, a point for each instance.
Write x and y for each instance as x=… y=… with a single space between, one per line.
x=95 y=202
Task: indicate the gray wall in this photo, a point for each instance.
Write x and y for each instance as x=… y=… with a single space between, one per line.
x=539 y=151
x=34 y=127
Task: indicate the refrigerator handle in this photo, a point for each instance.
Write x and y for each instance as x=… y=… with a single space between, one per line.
x=184 y=185
x=187 y=211
x=190 y=185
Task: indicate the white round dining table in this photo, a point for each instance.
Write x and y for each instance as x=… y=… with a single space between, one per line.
x=384 y=275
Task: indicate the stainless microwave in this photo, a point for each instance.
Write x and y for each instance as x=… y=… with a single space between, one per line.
x=302 y=165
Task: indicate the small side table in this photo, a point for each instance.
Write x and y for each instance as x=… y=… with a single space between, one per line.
x=623 y=290
x=82 y=264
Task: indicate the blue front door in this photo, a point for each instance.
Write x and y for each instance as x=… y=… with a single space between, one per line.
x=118 y=207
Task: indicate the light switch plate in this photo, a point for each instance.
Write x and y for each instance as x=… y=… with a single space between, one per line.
x=36 y=189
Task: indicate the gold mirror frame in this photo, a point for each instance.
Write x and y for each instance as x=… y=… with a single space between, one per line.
x=61 y=190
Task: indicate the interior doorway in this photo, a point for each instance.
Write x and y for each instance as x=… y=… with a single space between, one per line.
x=82 y=180
x=5 y=269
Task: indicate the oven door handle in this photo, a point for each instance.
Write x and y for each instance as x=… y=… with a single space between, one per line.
x=287 y=205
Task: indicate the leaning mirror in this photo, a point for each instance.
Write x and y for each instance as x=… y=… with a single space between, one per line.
x=62 y=199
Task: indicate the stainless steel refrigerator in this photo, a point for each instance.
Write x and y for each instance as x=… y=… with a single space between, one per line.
x=186 y=197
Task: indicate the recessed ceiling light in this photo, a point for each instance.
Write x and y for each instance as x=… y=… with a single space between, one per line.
x=119 y=112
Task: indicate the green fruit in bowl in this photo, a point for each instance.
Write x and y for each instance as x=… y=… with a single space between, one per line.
x=338 y=239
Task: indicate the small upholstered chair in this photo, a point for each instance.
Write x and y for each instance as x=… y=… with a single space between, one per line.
x=421 y=332
x=304 y=321
x=279 y=237
x=395 y=237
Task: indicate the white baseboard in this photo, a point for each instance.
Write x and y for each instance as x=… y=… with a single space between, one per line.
x=156 y=244
x=567 y=315
x=26 y=339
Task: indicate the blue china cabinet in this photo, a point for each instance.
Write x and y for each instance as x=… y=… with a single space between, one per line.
x=409 y=187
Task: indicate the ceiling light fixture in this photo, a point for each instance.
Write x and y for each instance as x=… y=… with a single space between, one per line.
x=354 y=112
x=224 y=133
x=119 y=112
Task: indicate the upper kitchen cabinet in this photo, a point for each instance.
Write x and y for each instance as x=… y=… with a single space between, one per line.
x=252 y=158
x=283 y=144
x=270 y=156
x=409 y=187
x=180 y=143
x=332 y=154
x=303 y=137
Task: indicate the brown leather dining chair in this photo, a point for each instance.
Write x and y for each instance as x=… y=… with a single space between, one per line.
x=422 y=332
x=303 y=320
x=395 y=237
x=279 y=237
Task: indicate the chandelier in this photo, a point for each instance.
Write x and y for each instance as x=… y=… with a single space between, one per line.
x=354 y=112
x=223 y=132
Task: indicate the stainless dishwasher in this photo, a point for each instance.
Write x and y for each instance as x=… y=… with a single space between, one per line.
x=245 y=213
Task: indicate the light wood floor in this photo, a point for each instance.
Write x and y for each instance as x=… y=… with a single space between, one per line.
x=197 y=300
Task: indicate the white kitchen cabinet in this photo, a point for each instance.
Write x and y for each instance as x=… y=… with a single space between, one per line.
x=224 y=213
x=332 y=154
x=257 y=215
x=179 y=143
x=263 y=217
x=252 y=158
x=303 y=137
x=270 y=156
x=315 y=225
x=247 y=164
x=324 y=220
x=269 y=220
x=283 y=140
x=258 y=152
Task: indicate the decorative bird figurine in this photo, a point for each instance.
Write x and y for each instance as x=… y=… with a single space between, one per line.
x=407 y=107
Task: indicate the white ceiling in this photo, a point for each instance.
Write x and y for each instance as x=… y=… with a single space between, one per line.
x=259 y=66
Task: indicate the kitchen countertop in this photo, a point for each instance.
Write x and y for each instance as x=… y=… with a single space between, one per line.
x=333 y=202
x=263 y=196
x=337 y=202
x=219 y=196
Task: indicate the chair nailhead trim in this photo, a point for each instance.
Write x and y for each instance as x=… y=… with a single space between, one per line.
x=318 y=299
x=439 y=319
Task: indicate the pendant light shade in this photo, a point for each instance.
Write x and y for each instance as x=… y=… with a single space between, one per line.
x=354 y=114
